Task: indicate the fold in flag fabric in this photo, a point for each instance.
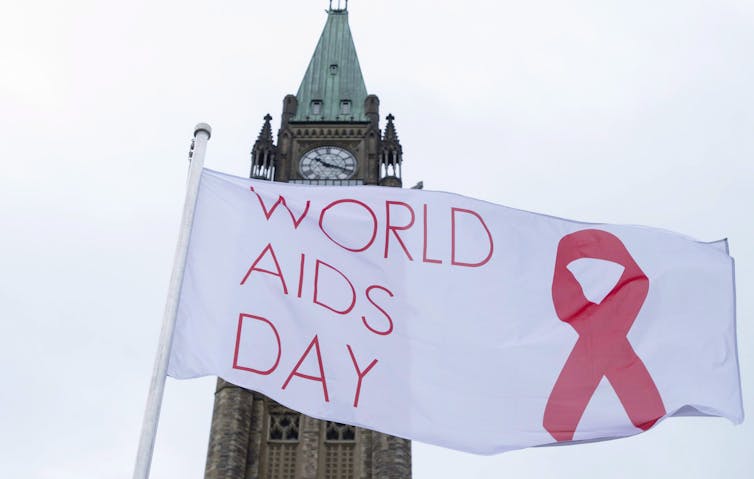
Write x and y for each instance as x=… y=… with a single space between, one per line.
x=453 y=321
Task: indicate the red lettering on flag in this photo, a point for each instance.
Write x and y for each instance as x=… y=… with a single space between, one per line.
x=321 y=378
x=359 y=373
x=278 y=272
x=239 y=330
x=426 y=258
x=372 y=217
x=316 y=299
x=390 y=227
x=281 y=201
x=389 y=328
x=453 y=260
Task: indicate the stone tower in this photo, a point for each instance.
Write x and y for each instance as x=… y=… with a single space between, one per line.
x=329 y=135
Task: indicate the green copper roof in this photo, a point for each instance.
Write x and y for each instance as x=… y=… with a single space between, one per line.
x=333 y=77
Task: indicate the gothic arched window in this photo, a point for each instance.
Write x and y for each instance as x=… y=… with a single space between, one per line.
x=282 y=443
x=340 y=451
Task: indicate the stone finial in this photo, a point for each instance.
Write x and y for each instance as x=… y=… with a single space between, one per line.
x=391 y=135
x=265 y=134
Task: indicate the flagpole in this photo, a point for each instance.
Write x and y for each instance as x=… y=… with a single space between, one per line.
x=202 y=132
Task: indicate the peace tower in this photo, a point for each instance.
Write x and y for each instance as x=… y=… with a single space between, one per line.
x=329 y=135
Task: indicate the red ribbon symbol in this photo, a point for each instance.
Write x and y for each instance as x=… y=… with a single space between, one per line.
x=602 y=348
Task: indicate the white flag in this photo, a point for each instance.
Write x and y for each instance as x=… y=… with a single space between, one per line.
x=453 y=321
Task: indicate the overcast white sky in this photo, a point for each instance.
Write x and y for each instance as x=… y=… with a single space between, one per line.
x=636 y=112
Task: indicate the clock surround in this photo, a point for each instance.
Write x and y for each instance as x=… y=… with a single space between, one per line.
x=328 y=162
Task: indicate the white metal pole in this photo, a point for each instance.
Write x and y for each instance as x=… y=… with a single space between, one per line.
x=202 y=132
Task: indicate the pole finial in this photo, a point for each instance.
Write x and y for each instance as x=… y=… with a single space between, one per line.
x=203 y=127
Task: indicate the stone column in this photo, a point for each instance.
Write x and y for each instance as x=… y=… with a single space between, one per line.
x=308 y=449
x=391 y=457
x=229 y=434
x=363 y=455
x=256 y=436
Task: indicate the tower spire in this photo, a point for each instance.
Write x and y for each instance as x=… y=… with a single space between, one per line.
x=333 y=88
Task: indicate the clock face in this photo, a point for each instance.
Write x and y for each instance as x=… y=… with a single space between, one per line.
x=327 y=162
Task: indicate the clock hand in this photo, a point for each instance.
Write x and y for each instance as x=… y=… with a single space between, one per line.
x=331 y=165
x=325 y=163
x=339 y=167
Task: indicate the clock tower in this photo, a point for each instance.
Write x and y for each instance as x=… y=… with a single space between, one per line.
x=330 y=130
x=329 y=135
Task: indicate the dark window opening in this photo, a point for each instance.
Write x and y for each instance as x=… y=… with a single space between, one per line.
x=283 y=427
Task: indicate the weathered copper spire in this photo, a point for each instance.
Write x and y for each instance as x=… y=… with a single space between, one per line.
x=333 y=88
